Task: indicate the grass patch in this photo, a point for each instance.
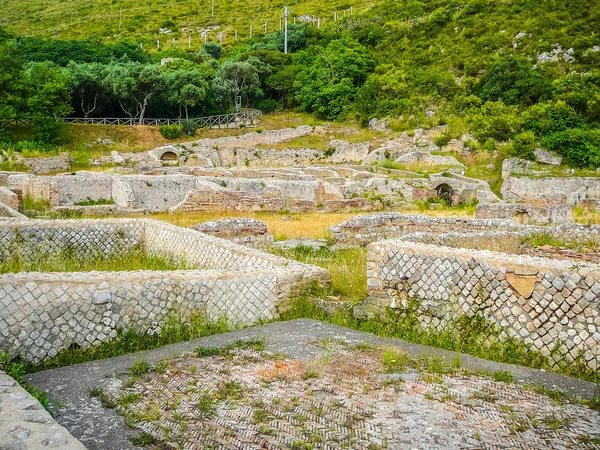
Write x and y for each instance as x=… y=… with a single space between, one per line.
x=254 y=344
x=91 y=202
x=41 y=209
x=348 y=268
x=281 y=226
x=542 y=239
x=69 y=260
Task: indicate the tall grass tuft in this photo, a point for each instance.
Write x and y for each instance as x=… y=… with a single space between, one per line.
x=69 y=260
x=347 y=266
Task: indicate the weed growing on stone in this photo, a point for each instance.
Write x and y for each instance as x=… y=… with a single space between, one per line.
x=255 y=344
x=140 y=367
x=16 y=371
x=176 y=328
x=473 y=335
x=506 y=377
x=91 y=202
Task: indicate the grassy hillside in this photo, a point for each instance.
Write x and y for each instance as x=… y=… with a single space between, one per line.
x=81 y=19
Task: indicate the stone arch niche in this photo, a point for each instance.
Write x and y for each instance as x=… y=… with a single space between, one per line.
x=445 y=192
x=169 y=158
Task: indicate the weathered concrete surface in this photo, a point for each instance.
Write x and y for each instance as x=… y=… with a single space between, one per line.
x=100 y=428
x=568 y=191
x=526 y=214
x=25 y=424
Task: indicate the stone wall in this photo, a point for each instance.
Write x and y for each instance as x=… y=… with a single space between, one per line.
x=44 y=313
x=374 y=227
x=568 y=191
x=551 y=305
x=243 y=230
x=9 y=198
x=24 y=424
x=524 y=213
x=48 y=164
x=520 y=242
x=249 y=140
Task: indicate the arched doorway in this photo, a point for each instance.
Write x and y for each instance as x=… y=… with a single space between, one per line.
x=445 y=192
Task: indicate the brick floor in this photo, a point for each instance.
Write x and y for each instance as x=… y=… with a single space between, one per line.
x=247 y=399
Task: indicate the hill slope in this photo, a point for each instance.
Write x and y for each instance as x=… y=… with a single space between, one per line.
x=81 y=19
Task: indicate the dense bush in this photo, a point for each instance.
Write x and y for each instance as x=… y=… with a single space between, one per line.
x=514 y=81
x=523 y=145
x=498 y=121
x=213 y=49
x=170 y=131
x=188 y=127
x=268 y=105
x=580 y=147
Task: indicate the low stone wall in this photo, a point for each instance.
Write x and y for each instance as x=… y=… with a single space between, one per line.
x=8 y=213
x=568 y=191
x=364 y=229
x=44 y=313
x=24 y=424
x=373 y=227
x=9 y=198
x=551 y=305
x=249 y=140
x=525 y=214
x=48 y=164
x=243 y=230
x=515 y=243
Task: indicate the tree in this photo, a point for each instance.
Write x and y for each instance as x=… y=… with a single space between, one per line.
x=48 y=89
x=186 y=88
x=11 y=82
x=328 y=84
x=513 y=80
x=296 y=38
x=236 y=78
x=86 y=79
x=135 y=83
x=213 y=49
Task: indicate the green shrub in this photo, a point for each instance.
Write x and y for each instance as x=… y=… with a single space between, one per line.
x=188 y=127
x=268 y=105
x=170 y=131
x=580 y=147
x=514 y=81
x=213 y=49
x=544 y=119
x=497 y=121
x=523 y=145
x=443 y=139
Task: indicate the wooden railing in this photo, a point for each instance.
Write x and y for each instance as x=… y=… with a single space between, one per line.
x=245 y=117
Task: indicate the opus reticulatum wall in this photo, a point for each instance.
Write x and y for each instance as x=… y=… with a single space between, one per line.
x=551 y=305
x=44 y=313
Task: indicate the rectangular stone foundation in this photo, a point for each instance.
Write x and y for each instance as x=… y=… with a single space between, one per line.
x=44 y=313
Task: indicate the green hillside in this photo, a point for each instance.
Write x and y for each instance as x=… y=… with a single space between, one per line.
x=82 y=19
x=516 y=74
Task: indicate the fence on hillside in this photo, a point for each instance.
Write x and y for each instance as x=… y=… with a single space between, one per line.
x=234 y=120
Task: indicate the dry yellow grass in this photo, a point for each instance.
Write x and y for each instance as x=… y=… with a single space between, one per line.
x=309 y=225
x=281 y=227
x=586 y=216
